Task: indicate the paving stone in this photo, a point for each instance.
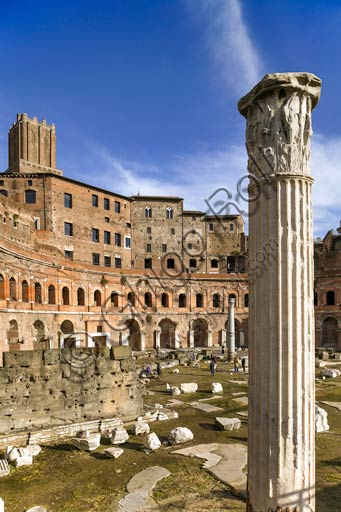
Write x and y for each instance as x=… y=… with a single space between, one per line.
x=205 y=407
x=242 y=400
x=147 y=479
x=336 y=405
x=225 y=461
x=37 y=508
x=114 y=453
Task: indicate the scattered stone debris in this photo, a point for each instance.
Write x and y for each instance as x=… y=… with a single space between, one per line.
x=114 y=453
x=4 y=468
x=175 y=391
x=330 y=372
x=152 y=442
x=216 y=387
x=319 y=363
x=188 y=387
x=37 y=508
x=180 y=435
x=86 y=441
x=19 y=456
x=176 y=370
x=140 y=487
x=158 y=415
x=33 y=449
x=141 y=428
x=225 y=461
x=119 y=435
x=321 y=419
x=205 y=407
x=242 y=400
x=228 y=423
x=168 y=388
x=336 y=405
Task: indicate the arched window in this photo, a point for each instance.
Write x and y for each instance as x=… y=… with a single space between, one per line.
x=12 y=289
x=169 y=213
x=131 y=298
x=148 y=301
x=182 y=300
x=330 y=298
x=30 y=196
x=66 y=296
x=80 y=297
x=315 y=299
x=216 y=300
x=13 y=332
x=51 y=294
x=24 y=291
x=2 y=287
x=37 y=293
x=98 y=298
x=148 y=212
x=170 y=263
x=165 y=300
x=231 y=264
x=246 y=300
x=232 y=296
x=199 y=300
x=231 y=226
x=114 y=299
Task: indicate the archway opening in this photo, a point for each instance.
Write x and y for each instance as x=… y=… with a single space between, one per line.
x=40 y=341
x=134 y=334
x=167 y=336
x=67 y=330
x=329 y=332
x=200 y=328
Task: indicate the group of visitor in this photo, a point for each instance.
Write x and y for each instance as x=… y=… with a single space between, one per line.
x=236 y=361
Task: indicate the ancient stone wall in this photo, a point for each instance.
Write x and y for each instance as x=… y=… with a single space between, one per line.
x=48 y=388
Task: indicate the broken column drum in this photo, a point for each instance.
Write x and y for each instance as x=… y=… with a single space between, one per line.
x=281 y=442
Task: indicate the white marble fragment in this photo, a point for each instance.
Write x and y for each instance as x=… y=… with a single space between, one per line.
x=216 y=387
x=152 y=442
x=119 y=435
x=180 y=435
x=321 y=419
x=141 y=428
x=114 y=453
x=188 y=387
x=330 y=372
x=228 y=423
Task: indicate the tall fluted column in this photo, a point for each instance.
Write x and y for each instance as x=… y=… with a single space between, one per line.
x=231 y=340
x=281 y=442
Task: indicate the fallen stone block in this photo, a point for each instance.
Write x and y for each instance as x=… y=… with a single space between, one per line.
x=180 y=435
x=228 y=423
x=319 y=363
x=114 y=453
x=321 y=419
x=24 y=459
x=33 y=449
x=175 y=390
x=330 y=372
x=4 y=468
x=216 y=387
x=37 y=508
x=11 y=453
x=119 y=435
x=176 y=370
x=188 y=387
x=152 y=442
x=87 y=444
x=337 y=356
x=141 y=428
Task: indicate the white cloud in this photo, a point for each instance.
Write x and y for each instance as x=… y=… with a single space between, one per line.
x=233 y=52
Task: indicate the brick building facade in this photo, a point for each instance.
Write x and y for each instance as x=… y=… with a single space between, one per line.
x=81 y=266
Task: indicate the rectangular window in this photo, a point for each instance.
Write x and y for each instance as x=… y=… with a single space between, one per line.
x=118 y=262
x=149 y=230
x=95 y=234
x=68 y=255
x=149 y=248
x=106 y=219
x=95 y=200
x=172 y=231
x=106 y=203
x=107 y=237
x=68 y=229
x=67 y=200
x=148 y=263
x=128 y=225
x=211 y=227
x=107 y=261
x=95 y=258
x=117 y=239
x=127 y=242
x=2 y=183
x=194 y=217
x=117 y=207
x=29 y=183
x=164 y=247
x=189 y=246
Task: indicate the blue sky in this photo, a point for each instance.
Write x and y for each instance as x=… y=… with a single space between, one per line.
x=144 y=92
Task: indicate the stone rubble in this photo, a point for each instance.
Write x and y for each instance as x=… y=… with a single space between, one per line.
x=175 y=391
x=330 y=372
x=4 y=468
x=141 y=428
x=180 y=435
x=152 y=442
x=119 y=435
x=228 y=423
x=321 y=419
x=37 y=508
x=216 y=387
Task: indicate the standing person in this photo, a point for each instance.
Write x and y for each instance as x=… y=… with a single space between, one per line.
x=158 y=369
x=212 y=366
x=244 y=363
x=236 y=363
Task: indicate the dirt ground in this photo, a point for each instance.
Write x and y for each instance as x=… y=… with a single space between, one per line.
x=64 y=479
